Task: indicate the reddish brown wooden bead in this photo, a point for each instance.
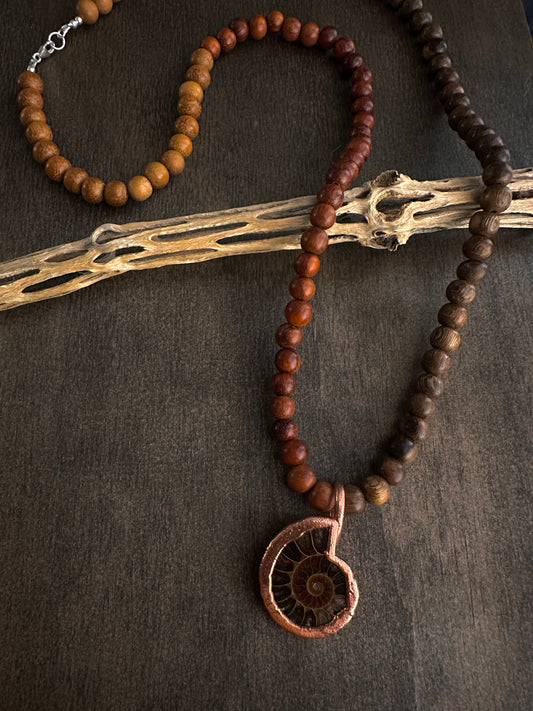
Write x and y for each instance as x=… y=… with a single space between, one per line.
x=302 y=288
x=88 y=11
x=323 y=215
x=342 y=47
x=30 y=80
x=415 y=428
x=43 y=150
x=116 y=193
x=327 y=37
x=258 y=27
x=56 y=167
x=290 y=30
x=402 y=448
x=484 y=223
x=287 y=360
x=364 y=104
x=430 y=385
x=472 y=271
x=343 y=172
x=460 y=292
x=435 y=361
x=438 y=62
x=496 y=198
x=376 y=490
x=392 y=471
x=421 y=405
x=30 y=97
x=294 y=452
x=283 y=384
x=74 y=179
x=199 y=74
x=288 y=336
x=333 y=195
x=322 y=496
x=275 y=21
x=29 y=114
x=227 y=39
x=189 y=107
x=212 y=45
x=157 y=174
x=361 y=88
x=285 y=430
x=354 y=500
x=453 y=315
x=39 y=131
x=299 y=313
x=497 y=174
x=173 y=161
x=309 y=34
x=363 y=118
x=204 y=57
x=301 y=478
x=445 y=339
x=241 y=29
x=282 y=407
x=314 y=240
x=351 y=63
x=307 y=264
x=478 y=247
x=92 y=190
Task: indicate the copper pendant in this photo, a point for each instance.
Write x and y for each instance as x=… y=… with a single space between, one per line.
x=305 y=587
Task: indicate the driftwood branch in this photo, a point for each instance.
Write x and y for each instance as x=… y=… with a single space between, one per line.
x=382 y=214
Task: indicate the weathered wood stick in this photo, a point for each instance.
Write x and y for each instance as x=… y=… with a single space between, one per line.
x=382 y=214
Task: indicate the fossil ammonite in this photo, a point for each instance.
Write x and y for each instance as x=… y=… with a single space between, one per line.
x=305 y=587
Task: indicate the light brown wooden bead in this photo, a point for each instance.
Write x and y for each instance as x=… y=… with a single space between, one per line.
x=30 y=80
x=376 y=490
x=43 y=150
x=282 y=407
x=392 y=470
x=88 y=11
x=274 y=21
x=30 y=114
x=212 y=45
x=173 y=161
x=140 y=188
x=187 y=125
x=301 y=478
x=116 y=193
x=354 y=500
x=453 y=315
x=484 y=223
x=461 y=292
x=39 y=131
x=157 y=174
x=445 y=338
x=322 y=496
x=56 y=167
x=191 y=89
x=435 y=361
x=74 y=178
x=30 y=97
x=290 y=29
x=309 y=34
x=203 y=57
x=189 y=107
x=496 y=198
x=104 y=6
x=421 y=405
x=478 y=247
x=92 y=190
x=181 y=143
x=199 y=74
x=472 y=271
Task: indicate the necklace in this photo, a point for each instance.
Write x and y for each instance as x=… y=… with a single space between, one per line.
x=306 y=588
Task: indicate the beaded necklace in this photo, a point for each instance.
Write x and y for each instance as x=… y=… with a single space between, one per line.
x=306 y=588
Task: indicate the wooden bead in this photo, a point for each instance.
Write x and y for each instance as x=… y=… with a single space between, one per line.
x=392 y=470
x=351 y=63
x=334 y=196
x=445 y=339
x=419 y=19
x=402 y=448
x=56 y=167
x=157 y=174
x=30 y=114
x=306 y=264
x=258 y=27
x=478 y=247
x=288 y=336
x=415 y=428
x=438 y=62
x=323 y=215
x=173 y=161
x=421 y=405
x=181 y=143
x=497 y=174
x=299 y=313
x=227 y=39
x=241 y=29
x=496 y=153
x=285 y=430
x=189 y=107
x=362 y=104
x=199 y=74
x=104 y=6
x=191 y=89
x=88 y=11
x=376 y=490
x=453 y=315
x=30 y=80
x=116 y=193
x=92 y=190
x=302 y=288
x=203 y=57
x=327 y=37
x=39 y=131
x=187 y=125
x=43 y=150
x=460 y=292
x=472 y=271
x=496 y=198
x=354 y=500
x=342 y=47
x=407 y=8
x=283 y=384
x=430 y=34
x=140 y=188
x=282 y=407
x=309 y=34
x=290 y=29
x=287 y=360
x=74 y=179
x=294 y=452
x=275 y=21
x=301 y=478
x=30 y=97
x=212 y=45
x=322 y=496
x=484 y=223
x=435 y=361
x=430 y=385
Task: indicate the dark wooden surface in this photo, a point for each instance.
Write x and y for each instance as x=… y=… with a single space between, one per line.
x=139 y=487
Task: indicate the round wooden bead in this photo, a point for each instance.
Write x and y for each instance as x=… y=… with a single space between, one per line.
x=478 y=247
x=299 y=313
x=327 y=37
x=351 y=63
x=287 y=360
x=39 y=131
x=140 y=188
x=212 y=45
x=199 y=74
x=157 y=174
x=332 y=194
x=43 y=150
x=306 y=264
x=30 y=97
x=323 y=215
x=309 y=34
x=407 y=8
x=496 y=153
x=29 y=114
x=472 y=271
x=56 y=167
x=88 y=11
x=74 y=179
x=342 y=47
x=497 y=174
x=283 y=384
x=30 y=80
x=275 y=21
x=354 y=500
x=445 y=339
x=92 y=190
x=430 y=385
x=376 y=490
x=322 y=496
x=302 y=288
x=189 y=107
x=421 y=405
x=290 y=29
x=258 y=27
x=282 y=407
x=191 y=89
x=460 y=292
x=227 y=39
x=415 y=428
x=453 y=315
x=288 y=336
x=173 y=161
x=392 y=470
x=432 y=33
x=285 y=430
x=438 y=62
x=484 y=223
x=496 y=198
x=116 y=193
x=241 y=29
x=294 y=452
x=435 y=361
x=419 y=19
x=104 y=6
x=301 y=478
x=402 y=448
x=203 y=57
x=181 y=143
x=187 y=125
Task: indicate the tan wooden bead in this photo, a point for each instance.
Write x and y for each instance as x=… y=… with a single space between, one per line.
x=376 y=489
x=56 y=167
x=140 y=188
x=174 y=162
x=199 y=74
x=453 y=315
x=43 y=150
x=30 y=80
x=436 y=361
x=30 y=97
x=39 y=131
x=88 y=11
x=74 y=178
x=182 y=143
x=31 y=114
x=92 y=190
x=484 y=223
x=157 y=174
x=191 y=89
x=104 y=7
x=187 y=125
x=189 y=107
x=116 y=193
x=203 y=57
x=446 y=339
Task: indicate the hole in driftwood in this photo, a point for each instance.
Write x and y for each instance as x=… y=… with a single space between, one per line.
x=348 y=218
x=251 y=236
x=522 y=194
x=15 y=277
x=393 y=207
x=65 y=256
x=52 y=283
x=109 y=256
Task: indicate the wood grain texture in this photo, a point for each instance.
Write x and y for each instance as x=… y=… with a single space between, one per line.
x=139 y=488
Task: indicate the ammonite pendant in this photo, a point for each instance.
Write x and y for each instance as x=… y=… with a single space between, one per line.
x=305 y=587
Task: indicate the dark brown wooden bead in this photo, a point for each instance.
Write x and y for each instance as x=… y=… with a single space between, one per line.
x=39 y=131
x=332 y=194
x=486 y=143
x=351 y=63
x=56 y=167
x=354 y=500
x=476 y=134
x=275 y=21
x=212 y=45
x=445 y=339
x=392 y=470
x=453 y=316
x=314 y=240
x=438 y=62
x=288 y=360
x=363 y=118
x=453 y=101
x=189 y=107
x=322 y=496
x=173 y=161
x=30 y=80
x=307 y=264
x=299 y=313
x=323 y=215
x=420 y=404
x=74 y=179
x=241 y=29
x=302 y=288
x=284 y=430
x=434 y=46
x=29 y=114
x=376 y=490
x=282 y=407
x=301 y=478
x=478 y=247
x=435 y=361
x=472 y=271
x=327 y=37
x=30 y=97
x=496 y=198
x=402 y=448
x=361 y=88
x=468 y=123
x=116 y=193
x=43 y=150
x=288 y=336
x=283 y=384
x=407 y=8
x=258 y=27
x=484 y=223
x=431 y=33
x=294 y=452
x=342 y=47
x=415 y=428
x=227 y=39
x=419 y=19
x=363 y=104
x=290 y=29
x=309 y=34
x=447 y=76
x=92 y=190
x=497 y=174
x=395 y=4
x=460 y=292
x=430 y=385
x=458 y=115
x=342 y=173
x=204 y=57
x=494 y=155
